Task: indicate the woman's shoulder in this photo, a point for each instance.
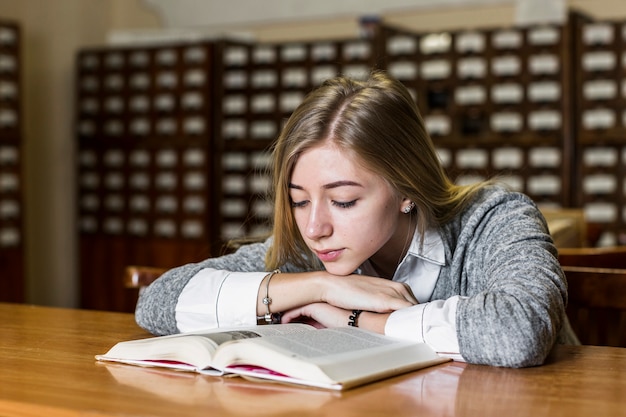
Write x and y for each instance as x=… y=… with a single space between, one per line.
x=495 y=206
x=498 y=195
x=496 y=217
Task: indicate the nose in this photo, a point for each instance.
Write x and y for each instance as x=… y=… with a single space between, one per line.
x=318 y=224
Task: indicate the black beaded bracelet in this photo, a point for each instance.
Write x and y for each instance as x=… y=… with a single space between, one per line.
x=353 y=320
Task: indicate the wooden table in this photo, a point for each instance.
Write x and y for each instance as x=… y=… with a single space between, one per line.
x=47 y=368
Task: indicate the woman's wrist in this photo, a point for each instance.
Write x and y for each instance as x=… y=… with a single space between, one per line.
x=322 y=282
x=311 y=288
x=290 y=290
x=372 y=321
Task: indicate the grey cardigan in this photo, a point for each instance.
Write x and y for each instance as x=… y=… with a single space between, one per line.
x=499 y=255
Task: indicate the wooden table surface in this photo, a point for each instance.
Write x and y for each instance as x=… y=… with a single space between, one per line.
x=47 y=368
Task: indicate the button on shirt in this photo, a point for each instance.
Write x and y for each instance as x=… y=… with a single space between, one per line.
x=217 y=298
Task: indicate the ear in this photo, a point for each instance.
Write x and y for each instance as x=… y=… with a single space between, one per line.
x=403 y=203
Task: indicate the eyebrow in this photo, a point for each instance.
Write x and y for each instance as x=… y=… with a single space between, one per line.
x=331 y=185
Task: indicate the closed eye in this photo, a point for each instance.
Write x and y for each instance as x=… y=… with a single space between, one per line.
x=297 y=204
x=346 y=205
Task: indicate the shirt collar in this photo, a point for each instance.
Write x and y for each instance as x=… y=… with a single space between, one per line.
x=431 y=249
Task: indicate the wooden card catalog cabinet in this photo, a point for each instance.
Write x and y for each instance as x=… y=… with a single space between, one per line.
x=11 y=184
x=600 y=76
x=144 y=163
x=173 y=148
x=494 y=102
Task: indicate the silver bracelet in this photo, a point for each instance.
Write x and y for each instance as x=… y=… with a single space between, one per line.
x=267 y=300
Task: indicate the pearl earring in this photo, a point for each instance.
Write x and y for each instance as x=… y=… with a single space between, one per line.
x=409 y=208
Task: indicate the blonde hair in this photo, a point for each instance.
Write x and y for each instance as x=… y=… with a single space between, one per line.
x=377 y=120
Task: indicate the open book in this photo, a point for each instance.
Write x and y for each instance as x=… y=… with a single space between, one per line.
x=336 y=359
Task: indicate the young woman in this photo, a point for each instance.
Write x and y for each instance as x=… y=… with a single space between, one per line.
x=369 y=231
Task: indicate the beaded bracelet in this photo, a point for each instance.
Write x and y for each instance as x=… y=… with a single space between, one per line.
x=267 y=300
x=353 y=320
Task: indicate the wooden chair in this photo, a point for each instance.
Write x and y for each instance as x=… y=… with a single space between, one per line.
x=568 y=227
x=597 y=293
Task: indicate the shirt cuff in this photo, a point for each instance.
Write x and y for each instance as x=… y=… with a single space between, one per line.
x=433 y=323
x=401 y=323
x=216 y=298
x=237 y=299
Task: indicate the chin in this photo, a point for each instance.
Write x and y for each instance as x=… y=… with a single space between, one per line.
x=339 y=270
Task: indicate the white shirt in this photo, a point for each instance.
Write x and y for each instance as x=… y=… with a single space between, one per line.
x=216 y=298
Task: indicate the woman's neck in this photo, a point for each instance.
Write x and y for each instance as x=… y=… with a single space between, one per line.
x=386 y=260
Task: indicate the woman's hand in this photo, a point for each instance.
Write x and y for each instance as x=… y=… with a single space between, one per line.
x=322 y=315
x=366 y=293
x=318 y=315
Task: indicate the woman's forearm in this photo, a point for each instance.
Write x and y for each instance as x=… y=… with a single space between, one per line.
x=289 y=290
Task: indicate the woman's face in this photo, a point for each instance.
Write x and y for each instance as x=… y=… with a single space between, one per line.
x=346 y=213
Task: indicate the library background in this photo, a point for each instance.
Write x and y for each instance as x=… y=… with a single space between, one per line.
x=172 y=139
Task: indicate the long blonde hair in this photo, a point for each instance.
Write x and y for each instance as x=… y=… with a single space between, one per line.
x=378 y=120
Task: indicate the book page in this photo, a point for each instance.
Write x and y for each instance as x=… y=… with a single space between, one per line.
x=221 y=336
x=329 y=358
x=193 y=350
x=324 y=342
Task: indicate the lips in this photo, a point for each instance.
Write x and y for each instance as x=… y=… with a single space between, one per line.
x=329 y=255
